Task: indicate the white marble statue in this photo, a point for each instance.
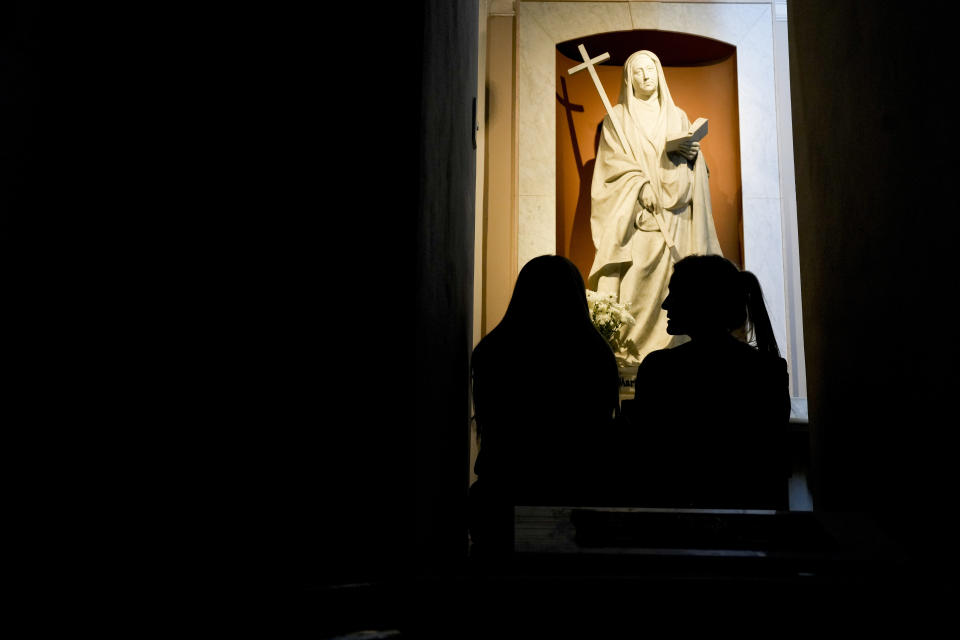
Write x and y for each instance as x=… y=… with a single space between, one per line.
x=650 y=207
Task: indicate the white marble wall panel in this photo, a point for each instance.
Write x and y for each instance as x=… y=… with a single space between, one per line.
x=645 y=15
x=725 y=22
x=536 y=214
x=757 y=97
x=763 y=255
x=536 y=94
x=788 y=205
x=568 y=20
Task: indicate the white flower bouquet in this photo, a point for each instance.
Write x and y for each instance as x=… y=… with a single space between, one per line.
x=609 y=316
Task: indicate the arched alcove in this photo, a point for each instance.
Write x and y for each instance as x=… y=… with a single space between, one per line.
x=702 y=75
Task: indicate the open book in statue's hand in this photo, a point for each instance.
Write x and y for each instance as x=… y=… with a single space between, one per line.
x=696 y=133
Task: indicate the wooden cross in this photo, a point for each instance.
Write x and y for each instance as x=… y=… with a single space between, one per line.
x=588 y=64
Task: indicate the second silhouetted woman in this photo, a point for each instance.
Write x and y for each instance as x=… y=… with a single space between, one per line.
x=711 y=414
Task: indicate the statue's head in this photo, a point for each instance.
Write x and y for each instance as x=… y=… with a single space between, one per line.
x=643 y=77
x=643 y=74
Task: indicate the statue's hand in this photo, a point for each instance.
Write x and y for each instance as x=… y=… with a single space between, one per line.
x=647 y=200
x=689 y=150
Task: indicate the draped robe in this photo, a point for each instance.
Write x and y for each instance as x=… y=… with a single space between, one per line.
x=629 y=239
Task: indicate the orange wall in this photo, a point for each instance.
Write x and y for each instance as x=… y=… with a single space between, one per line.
x=704 y=91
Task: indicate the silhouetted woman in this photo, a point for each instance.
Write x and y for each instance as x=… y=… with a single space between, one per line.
x=712 y=413
x=545 y=388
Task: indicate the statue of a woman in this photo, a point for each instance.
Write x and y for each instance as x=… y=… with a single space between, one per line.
x=644 y=196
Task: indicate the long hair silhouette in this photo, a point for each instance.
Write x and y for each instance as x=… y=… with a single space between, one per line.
x=545 y=386
x=724 y=297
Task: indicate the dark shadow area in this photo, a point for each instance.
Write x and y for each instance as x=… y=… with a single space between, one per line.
x=563 y=98
x=581 y=245
x=679 y=49
x=581 y=249
x=877 y=557
x=17 y=109
x=798 y=532
x=707 y=429
x=201 y=408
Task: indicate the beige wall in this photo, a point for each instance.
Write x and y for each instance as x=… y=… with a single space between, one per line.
x=500 y=214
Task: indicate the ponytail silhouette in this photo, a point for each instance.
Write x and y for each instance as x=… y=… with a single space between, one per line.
x=711 y=294
x=759 y=328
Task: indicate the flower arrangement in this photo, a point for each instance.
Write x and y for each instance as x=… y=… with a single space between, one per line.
x=609 y=316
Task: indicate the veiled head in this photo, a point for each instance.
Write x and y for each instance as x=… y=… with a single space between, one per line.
x=643 y=74
x=643 y=77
